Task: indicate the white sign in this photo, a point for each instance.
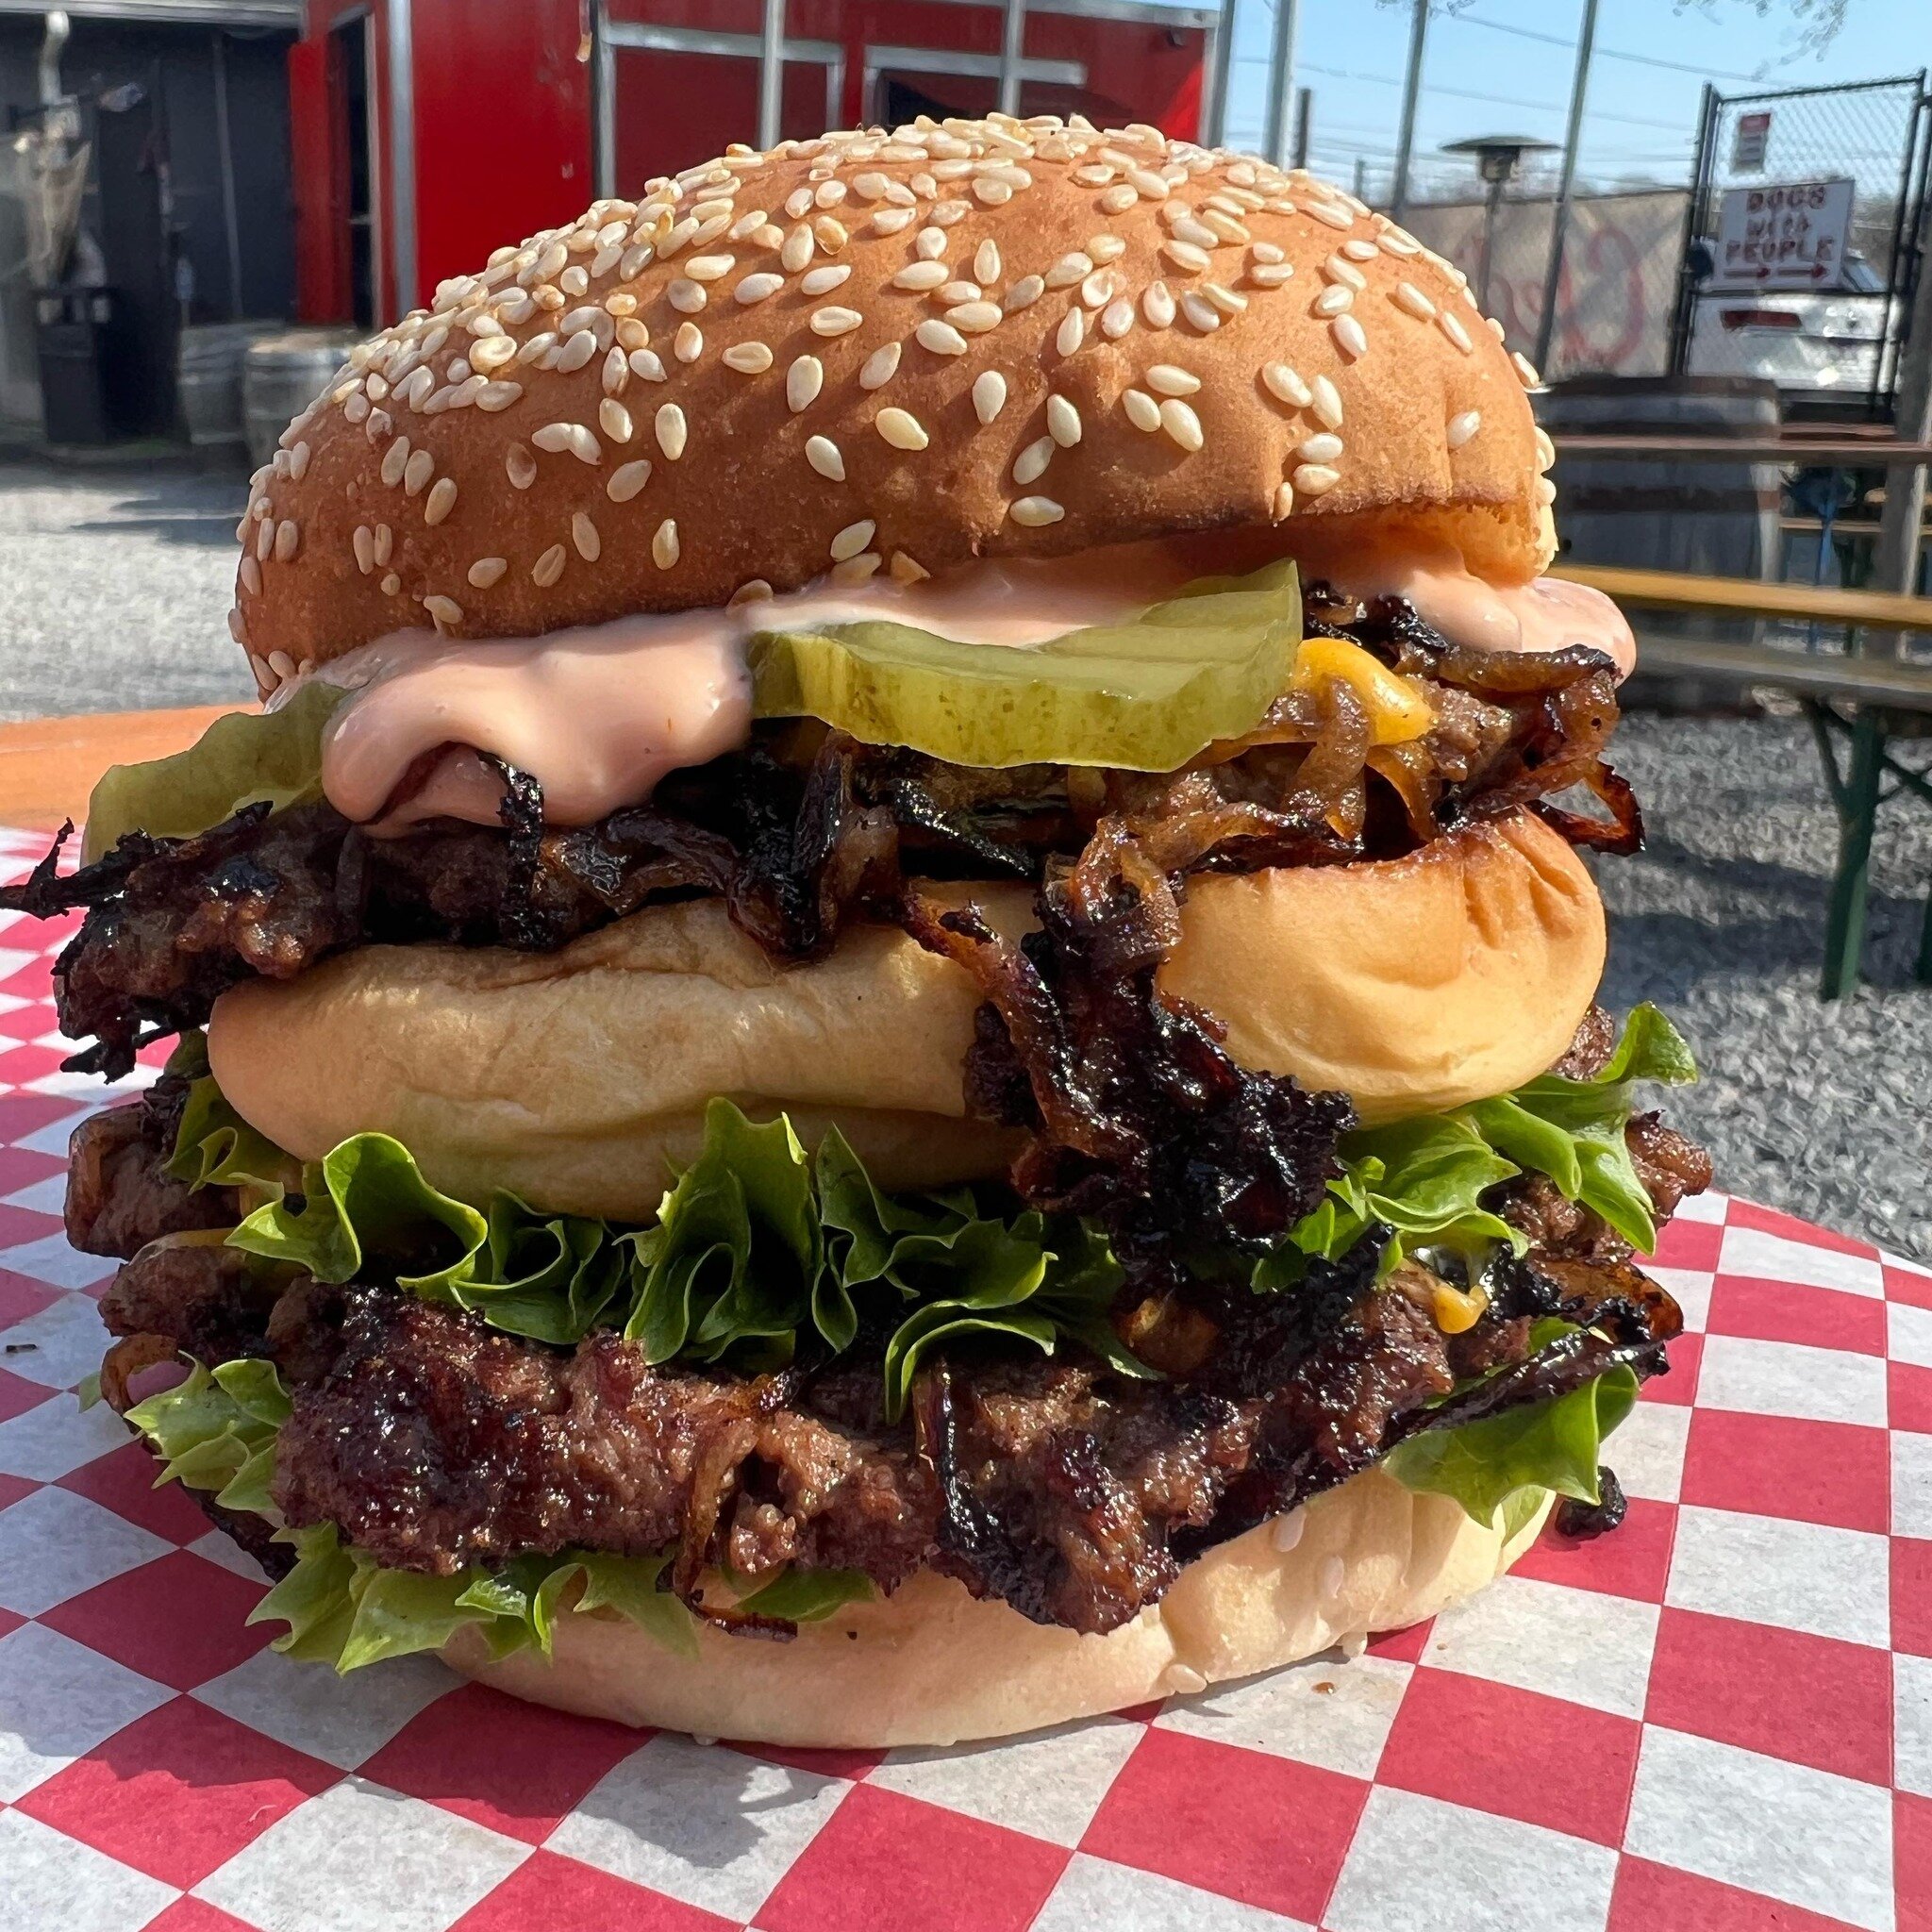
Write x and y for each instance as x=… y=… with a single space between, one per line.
x=1788 y=235
x=1749 y=140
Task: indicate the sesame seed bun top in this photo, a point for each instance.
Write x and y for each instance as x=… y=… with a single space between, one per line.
x=889 y=351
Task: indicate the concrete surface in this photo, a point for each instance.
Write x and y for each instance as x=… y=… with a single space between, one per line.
x=116 y=583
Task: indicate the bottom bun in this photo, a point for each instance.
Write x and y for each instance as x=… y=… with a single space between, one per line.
x=932 y=1664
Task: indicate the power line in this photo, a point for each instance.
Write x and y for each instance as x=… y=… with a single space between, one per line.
x=1463 y=93
x=1528 y=33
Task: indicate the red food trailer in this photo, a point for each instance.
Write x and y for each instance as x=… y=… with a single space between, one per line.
x=425 y=133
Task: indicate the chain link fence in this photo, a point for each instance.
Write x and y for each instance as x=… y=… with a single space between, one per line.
x=1835 y=345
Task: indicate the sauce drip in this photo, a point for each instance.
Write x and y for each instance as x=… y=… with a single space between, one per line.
x=598 y=715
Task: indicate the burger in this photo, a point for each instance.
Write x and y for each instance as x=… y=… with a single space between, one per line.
x=889 y=1030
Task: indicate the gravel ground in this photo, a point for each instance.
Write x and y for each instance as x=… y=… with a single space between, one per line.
x=117 y=587
x=1824 y=1109
x=1821 y=1108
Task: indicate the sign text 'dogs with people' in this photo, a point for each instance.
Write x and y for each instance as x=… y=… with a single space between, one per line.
x=1784 y=235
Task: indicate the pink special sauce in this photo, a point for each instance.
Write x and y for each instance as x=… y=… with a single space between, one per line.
x=599 y=715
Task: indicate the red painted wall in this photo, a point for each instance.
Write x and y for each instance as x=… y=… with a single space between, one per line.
x=505 y=113
x=502 y=127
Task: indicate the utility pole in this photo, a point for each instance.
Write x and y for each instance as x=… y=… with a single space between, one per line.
x=1411 y=94
x=1012 y=51
x=1280 y=81
x=1215 y=97
x=770 y=73
x=1304 y=123
x=1895 y=562
x=1560 y=215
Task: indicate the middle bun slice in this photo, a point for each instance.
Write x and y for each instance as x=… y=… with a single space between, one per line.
x=579 y=1078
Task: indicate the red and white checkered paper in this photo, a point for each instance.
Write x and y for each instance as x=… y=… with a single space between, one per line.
x=1719 y=1717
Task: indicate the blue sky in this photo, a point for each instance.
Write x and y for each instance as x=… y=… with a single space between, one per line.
x=1490 y=68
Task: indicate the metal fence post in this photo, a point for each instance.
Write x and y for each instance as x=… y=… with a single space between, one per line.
x=1684 y=316
x=1560 y=215
x=1411 y=95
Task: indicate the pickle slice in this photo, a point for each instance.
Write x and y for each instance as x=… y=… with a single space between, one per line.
x=1145 y=695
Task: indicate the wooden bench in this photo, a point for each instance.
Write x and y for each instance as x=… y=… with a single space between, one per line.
x=1861 y=701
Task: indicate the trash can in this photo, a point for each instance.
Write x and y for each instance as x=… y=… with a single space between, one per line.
x=281 y=374
x=207 y=377
x=73 y=328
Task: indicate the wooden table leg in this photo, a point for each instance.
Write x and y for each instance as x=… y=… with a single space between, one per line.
x=1844 y=926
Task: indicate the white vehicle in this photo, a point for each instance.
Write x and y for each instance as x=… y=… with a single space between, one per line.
x=1824 y=344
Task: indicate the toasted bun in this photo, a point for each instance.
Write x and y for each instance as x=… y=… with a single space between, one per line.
x=1111 y=269
x=579 y=1078
x=933 y=1665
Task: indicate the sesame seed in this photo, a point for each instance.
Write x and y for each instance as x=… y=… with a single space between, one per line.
x=628 y=479
x=989 y=395
x=986 y=262
x=857 y=570
x=264 y=539
x=385 y=542
x=1032 y=511
x=487 y=571
x=929 y=243
x=834 y=322
x=577 y=350
x=444 y=610
x=685 y=297
x=237 y=626
x=613 y=419
x=534 y=348
x=1315 y=479
x=941 y=338
x=1268 y=253
x=417 y=473
x=440 y=500
x=1181 y=424
x=880 y=366
x=394 y=457
x=645 y=363
x=1526 y=370
x=1323 y=447
x=906 y=570
x=1149 y=185
x=1545 y=491
x=1199 y=312
x=710 y=268
x=1325 y=399
x=1545 y=449
x=1338 y=270
x=1326 y=212
x=355 y=407
x=1184 y=255
x=616 y=373
x=1184 y=227
x=1463 y=426
x=1283 y=504
x=1062 y=421
x=1348 y=336
x=1166 y=379
x=975 y=318
x=893 y=220
x=1157 y=305
x=961 y=291
x=748 y=358
x=901 y=428
x=1454 y=329
x=756 y=287
x=665 y=548
x=802 y=382
x=583 y=534
x=1031 y=464
x=1143 y=412
x=251 y=577
x=1408 y=297
x=362 y=542
x=1393 y=241
x=1072 y=331
x=753 y=591
x=1025 y=293
x=549 y=567
x=632 y=333
x=1334 y=300
x=853 y=539
x=821 y=281
x=392 y=584
x=1359 y=249
x=671 y=430
x=825 y=457
x=921 y=275
x=281 y=664
x=1118 y=199
x=1068 y=269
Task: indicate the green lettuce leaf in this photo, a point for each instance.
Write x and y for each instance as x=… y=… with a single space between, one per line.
x=241 y=759
x=809 y=1596
x=216 y=1430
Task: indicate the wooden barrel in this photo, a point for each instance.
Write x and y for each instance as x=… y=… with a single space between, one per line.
x=280 y=376
x=1708 y=518
x=1712 y=519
